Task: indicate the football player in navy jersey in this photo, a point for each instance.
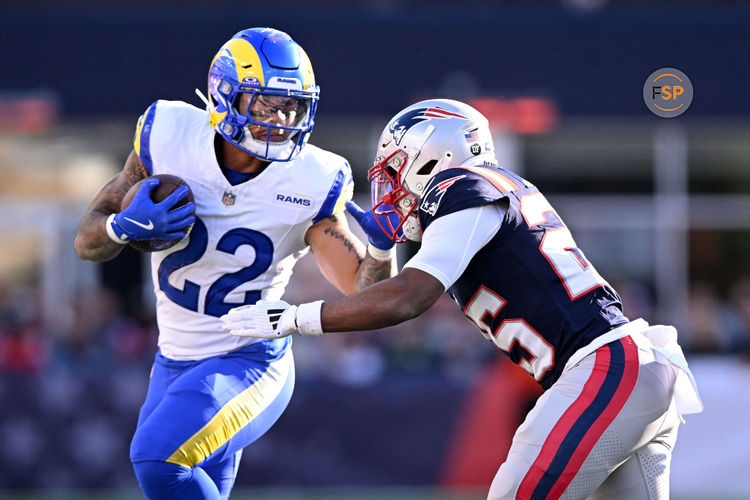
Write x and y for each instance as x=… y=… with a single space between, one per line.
x=615 y=389
x=263 y=198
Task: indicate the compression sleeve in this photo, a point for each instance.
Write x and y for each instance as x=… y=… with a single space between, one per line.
x=451 y=241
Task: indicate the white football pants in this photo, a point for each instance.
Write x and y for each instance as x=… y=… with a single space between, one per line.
x=614 y=408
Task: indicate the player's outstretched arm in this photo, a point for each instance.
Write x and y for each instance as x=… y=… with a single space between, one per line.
x=372 y=270
x=342 y=257
x=92 y=241
x=386 y=303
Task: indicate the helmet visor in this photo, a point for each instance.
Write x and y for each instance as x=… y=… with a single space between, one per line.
x=274 y=117
x=279 y=110
x=384 y=178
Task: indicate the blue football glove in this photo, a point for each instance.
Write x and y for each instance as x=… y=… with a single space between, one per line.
x=145 y=220
x=367 y=221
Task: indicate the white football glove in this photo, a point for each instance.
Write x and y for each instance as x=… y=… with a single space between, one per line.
x=273 y=319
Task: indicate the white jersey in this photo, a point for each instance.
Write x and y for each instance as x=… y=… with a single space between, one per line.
x=246 y=238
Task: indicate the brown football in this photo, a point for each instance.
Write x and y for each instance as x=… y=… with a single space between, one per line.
x=167 y=184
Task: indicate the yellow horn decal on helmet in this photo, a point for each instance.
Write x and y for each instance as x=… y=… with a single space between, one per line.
x=246 y=60
x=214 y=117
x=305 y=67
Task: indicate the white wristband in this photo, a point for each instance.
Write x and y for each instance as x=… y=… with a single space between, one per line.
x=111 y=232
x=379 y=254
x=308 y=318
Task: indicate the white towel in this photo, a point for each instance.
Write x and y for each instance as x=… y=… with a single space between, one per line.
x=662 y=340
x=664 y=344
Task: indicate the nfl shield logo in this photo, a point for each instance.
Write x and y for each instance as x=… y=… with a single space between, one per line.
x=228 y=198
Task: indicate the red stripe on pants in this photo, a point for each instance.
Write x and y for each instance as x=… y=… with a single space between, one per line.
x=620 y=397
x=563 y=426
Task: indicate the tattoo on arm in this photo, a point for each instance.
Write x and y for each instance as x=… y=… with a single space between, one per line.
x=369 y=270
x=333 y=232
x=92 y=242
x=110 y=196
x=372 y=270
x=134 y=170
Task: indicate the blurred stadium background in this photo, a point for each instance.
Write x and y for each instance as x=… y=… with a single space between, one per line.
x=427 y=409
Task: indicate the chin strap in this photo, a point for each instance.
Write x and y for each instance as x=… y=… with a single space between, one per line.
x=412 y=229
x=202 y=96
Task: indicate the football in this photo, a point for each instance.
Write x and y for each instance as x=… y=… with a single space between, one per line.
x=167 y=184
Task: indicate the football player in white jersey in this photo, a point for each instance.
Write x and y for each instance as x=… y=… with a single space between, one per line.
x=263 y=197
x=615 y=389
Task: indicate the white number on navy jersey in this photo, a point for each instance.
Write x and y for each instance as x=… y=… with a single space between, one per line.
x=511 y=331
x=578 y=276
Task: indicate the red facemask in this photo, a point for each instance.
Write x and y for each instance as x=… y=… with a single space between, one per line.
x=388 y=195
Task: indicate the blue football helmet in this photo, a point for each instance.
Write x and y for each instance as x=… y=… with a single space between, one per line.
x=262 y=95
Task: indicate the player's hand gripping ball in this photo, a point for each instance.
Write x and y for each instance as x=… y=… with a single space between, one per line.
x=167 y=185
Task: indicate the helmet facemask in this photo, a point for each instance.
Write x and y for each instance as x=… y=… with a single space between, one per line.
x=275 y=123
x=390 y=199
x=258 y=117
x=397 y=184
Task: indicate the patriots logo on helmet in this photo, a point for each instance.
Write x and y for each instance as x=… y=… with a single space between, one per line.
x=434 y=196
x=407 y=120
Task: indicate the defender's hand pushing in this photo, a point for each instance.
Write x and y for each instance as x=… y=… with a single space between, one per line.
x=273 y=319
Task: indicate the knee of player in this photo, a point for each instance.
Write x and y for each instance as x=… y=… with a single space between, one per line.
x=156 y=476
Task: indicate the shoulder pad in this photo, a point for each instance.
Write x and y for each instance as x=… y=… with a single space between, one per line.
x=340 y=192
x=142 y=137
x=171 y=118
x=459 y=188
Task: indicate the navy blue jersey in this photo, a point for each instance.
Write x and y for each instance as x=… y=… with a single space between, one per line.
x=530 y=289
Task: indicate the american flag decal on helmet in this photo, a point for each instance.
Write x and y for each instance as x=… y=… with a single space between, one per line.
x=472 y=136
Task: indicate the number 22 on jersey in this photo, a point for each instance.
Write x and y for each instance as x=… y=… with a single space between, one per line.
x=230 y=242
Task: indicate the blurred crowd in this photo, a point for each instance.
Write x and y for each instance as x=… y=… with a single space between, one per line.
x=717 y=322
x=77 y=389
x=106 y=334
